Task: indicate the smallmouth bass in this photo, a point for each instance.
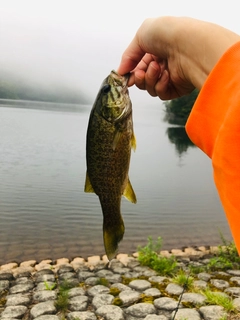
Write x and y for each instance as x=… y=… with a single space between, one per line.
x=110 y=138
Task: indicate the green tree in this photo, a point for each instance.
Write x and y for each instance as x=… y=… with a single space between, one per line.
x=178 y=110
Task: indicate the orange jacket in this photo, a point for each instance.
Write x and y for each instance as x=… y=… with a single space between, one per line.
x=214 y=126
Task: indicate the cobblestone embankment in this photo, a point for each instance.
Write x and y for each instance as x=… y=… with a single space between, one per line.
x=120 y=290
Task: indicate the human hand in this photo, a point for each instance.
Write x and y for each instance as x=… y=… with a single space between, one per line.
x=170 y=56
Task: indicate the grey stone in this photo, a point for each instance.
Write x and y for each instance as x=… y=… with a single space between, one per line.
x=233 y=291
x=83 y=275
x=132 y=274
x=13 y=312
x=140 y=285
x=153 y=292
x=67 y=276
x=120 y=286
x=6 y=276
x=102 y=299
x=149 y=273
x=212 y=312
x=155 y=317
x=129 y=297
x=158 y=279
x=204 y=276
x=142 y=269
x=219 y=284
x=186 y=313
x=44 y=271
x=76 y=292
x=236 y=303
x=47 y=285
x=110 y=313
x=115 y=278
x=174 y=289
x=235 y=280
x=22 y=280
x=104 y=273
x=45 y=277
x=4 y=285
x=43 y=308
x=140 y=310
x=78 y=303
x=18 y=299
x=65 y=269
x=114 y=263
x=97 y=290
x=194 y=298
x=44 y=295
x=234 y=272
x=121 y=270
x=83 y=315
x=92 y=281
x=47 y=317
x=71 y=282
x=201 y=284
x=22 y=288
x=166 y=303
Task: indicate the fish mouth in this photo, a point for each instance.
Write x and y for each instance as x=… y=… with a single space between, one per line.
x=123 y=79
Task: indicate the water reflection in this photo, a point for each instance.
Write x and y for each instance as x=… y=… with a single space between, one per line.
x=179 y=137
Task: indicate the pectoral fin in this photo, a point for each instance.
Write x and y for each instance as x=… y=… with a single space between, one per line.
x=116 y=139
x=129 y=193
x=88 y=186
x=133 y=142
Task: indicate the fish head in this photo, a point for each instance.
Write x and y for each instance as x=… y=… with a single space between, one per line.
x=113 y=102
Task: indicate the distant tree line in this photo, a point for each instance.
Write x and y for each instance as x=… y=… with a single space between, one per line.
x=178 y=110
x=13 y=88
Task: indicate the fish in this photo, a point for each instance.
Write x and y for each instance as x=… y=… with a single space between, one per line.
x=110 y=138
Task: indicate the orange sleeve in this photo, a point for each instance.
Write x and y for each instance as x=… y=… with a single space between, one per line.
x=214 y=126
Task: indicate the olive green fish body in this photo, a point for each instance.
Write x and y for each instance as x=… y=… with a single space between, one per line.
x=110 y=138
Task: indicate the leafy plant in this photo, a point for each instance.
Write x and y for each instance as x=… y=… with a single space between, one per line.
x=149 y=256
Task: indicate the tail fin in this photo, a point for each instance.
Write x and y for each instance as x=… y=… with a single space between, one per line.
x=112 y=235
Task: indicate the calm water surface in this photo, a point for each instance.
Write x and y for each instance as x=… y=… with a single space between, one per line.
x=44 y=212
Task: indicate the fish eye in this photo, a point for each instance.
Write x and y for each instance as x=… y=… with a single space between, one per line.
x=106 y=88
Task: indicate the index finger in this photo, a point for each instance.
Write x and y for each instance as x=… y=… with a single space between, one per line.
x=131 y=57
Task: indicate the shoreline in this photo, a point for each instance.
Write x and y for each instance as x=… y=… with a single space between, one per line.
x=193 y=253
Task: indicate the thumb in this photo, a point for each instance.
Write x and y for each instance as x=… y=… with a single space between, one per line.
x=131 y=57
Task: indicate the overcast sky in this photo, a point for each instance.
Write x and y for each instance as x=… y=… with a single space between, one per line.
x=80 y=42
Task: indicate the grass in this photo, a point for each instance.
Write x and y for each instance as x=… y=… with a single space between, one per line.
x=183 y=279
x=150 y=256
x=48 y=287
x=62 y=301
x=217 y=298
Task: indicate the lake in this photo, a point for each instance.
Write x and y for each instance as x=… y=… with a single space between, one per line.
x=44 y=212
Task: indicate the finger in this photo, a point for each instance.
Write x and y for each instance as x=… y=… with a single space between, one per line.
x=162 y=88
x=152 y=77
x=131 y=57
x=139 y=79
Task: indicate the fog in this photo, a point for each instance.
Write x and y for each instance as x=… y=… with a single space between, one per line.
x=77 y=43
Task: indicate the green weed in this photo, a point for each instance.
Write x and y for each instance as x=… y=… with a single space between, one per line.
x=49 y=287
x=217 y=298
x=63 y=299
x=184 y=280
x=149 y=256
